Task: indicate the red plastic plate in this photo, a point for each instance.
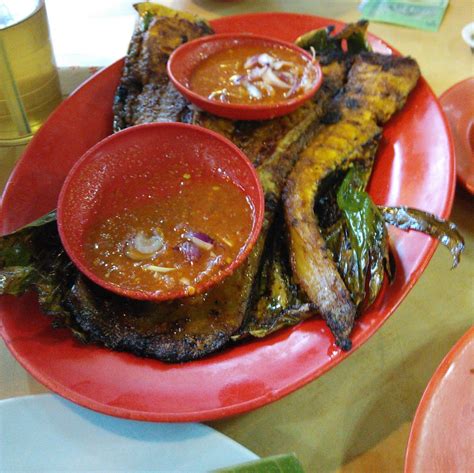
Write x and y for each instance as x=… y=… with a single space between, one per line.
x=415 y=167
x=458 y=105
x=441 y=437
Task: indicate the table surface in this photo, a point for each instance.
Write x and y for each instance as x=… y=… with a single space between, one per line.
x=357 y=417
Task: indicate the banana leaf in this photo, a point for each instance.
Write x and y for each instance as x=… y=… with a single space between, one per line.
x=32 y=257
x=354 y=35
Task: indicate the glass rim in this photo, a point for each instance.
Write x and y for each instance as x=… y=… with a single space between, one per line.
x=40 y=4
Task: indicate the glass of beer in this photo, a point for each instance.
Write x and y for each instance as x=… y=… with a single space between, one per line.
x=29 y=84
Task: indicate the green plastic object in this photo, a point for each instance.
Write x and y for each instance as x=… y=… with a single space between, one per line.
x=286 y=463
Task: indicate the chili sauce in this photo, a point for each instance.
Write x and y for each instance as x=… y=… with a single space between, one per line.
x=247 y=74
x=175 y=242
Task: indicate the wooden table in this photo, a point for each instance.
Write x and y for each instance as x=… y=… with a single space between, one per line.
x=357 y=417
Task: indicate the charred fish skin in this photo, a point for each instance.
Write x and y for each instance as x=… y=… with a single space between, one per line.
x=173 y=332
x=377 y=87
x=145 y=94
x=277 y=302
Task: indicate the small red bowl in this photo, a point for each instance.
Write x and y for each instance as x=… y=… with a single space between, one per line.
x=184 y=60
x=118 y=170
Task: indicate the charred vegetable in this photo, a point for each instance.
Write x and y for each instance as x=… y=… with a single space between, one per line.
x=358 y=240
x=359 y=243
x=33 y=258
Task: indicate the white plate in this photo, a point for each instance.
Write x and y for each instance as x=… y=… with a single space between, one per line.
x=46 y=433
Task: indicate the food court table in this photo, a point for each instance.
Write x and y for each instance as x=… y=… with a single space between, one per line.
x=356 y=417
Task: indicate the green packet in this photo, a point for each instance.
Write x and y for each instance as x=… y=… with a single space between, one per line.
x=422 y=14
x=286 y=463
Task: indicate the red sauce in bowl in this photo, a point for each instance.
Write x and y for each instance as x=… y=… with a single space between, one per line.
x=176 y=241
x=253 y=74
x=244 y=76
x=160 y=211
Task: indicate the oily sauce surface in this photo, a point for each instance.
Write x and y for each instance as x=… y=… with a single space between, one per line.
x=175 y=242
x=253 y=74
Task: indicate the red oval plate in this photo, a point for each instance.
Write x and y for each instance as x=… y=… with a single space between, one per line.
x=442 y=437
x=415 y=167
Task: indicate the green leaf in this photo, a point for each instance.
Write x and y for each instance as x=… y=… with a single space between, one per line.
x=16 y=248
x=33 y=258
x=324 y=42
x=49 y=217
x=286 y=463
x=317 y=39
x=18 y=253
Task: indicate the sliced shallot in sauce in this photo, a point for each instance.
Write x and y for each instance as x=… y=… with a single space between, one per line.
x=246 y=75
x=166 y=243
x=143 y=247
x=201 y=240
x=189 y=250
x=271 y=78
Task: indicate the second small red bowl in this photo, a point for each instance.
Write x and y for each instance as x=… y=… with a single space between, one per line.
x=184 y=61
x=147 y=162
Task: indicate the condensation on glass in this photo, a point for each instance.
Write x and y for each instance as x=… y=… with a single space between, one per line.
x=29 y=84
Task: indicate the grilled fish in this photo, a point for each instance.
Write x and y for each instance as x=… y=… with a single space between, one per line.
x=193 y=327
x=145 y=94
x=377 y=87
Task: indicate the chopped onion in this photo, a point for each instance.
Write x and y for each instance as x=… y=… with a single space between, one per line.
x=201 y=240
x=158 y=269
x=266 y=72
x=145 y=244
x=256 y=73
x=253 y=91
x=265 y=87
x=252 y=61
x=296 y=85
x=270 y=78
x=277 y=65
x=220 y=95
x=306 y=81
x=237 y=78
x=189 y=250
x=202 y=236
x=286 y=77
x=143 y=247
x=265 y=59
x=202 y=244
